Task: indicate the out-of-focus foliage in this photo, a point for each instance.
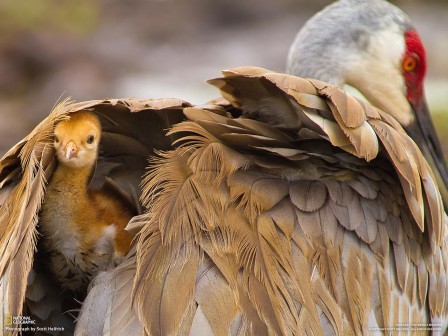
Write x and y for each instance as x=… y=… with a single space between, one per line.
x=441 y=124
x=72 y=16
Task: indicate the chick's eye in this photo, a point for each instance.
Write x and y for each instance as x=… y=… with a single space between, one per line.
x=56 y=139
x=90 y=139
x=410 y=63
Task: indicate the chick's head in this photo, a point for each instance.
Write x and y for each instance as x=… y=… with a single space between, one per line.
x=76 y=140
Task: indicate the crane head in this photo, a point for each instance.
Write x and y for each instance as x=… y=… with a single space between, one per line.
x=76 y=140
x=373 y=46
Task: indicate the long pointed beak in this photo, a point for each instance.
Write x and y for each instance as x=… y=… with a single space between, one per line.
x=424 y=134
x=71 y=150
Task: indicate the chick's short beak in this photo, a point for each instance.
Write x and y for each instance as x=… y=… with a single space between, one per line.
x=71 y=150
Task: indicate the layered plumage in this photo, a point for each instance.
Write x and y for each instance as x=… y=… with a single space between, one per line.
x=331 y=226
x=285 y=207
x=313 y=213
x=374 y=47
x=131 y=129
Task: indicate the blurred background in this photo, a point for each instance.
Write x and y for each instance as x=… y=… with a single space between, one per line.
x=96 y=49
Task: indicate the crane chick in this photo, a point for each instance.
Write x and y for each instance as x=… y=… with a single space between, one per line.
x=83 y=230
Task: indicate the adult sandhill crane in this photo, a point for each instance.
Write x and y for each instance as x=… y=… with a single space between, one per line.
x=374 y=47
x=312 y=213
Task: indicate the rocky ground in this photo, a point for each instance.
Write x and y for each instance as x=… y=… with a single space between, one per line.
x=158 y=48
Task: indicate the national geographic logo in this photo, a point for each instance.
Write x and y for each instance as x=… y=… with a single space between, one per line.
x=8 y=320
x=24 y=324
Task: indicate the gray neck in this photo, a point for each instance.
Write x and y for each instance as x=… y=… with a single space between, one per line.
x=335 y=37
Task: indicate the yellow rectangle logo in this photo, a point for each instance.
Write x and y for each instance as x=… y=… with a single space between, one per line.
x=8 y=320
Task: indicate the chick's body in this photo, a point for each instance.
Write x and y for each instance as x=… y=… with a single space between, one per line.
x=83 y=230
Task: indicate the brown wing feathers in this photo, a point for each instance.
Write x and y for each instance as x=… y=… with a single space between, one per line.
x=295 y=220
x=291 y=219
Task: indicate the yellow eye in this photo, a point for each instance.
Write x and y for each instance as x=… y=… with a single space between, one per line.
x=410 y=63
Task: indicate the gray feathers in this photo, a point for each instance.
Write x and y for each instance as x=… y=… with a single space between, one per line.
x=333 y=37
